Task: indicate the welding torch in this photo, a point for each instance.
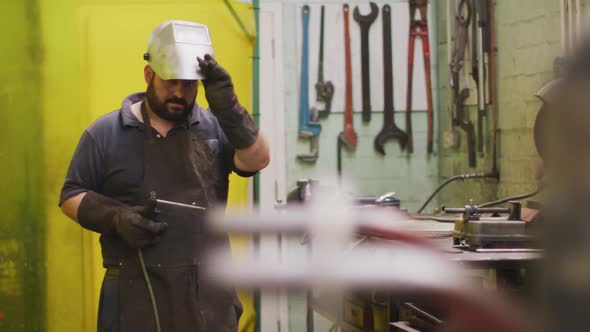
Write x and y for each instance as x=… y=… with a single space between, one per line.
x=193 y=206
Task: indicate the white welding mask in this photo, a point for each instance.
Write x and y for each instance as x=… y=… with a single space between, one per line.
x=173 y=49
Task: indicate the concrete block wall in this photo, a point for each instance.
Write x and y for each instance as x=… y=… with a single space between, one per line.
x=527 y=41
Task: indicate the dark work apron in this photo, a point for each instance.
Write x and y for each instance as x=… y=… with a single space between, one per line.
x=185 y=300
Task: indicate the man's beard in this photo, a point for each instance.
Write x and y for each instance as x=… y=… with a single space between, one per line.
x=161 y=109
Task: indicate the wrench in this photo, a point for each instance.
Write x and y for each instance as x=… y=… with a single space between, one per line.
x=307 y=128
x=314 y=151
x=348 y=136
x=419 y=28
x=324 y=90
x=308 y=125
x=456 y=64
x=460 y=95
x=365 y=22
x=481 y=7
x=390 y=129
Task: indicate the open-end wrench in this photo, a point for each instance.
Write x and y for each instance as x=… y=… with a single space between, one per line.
x=324 y=90
x=308 y=125
x=419 y=28
x=365 y=22
x=390 y=129
x=348 y=136
x=307 y=128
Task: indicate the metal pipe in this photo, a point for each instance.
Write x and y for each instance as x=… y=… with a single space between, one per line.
x=256 y=181
x=196 y=207
x=237 y=18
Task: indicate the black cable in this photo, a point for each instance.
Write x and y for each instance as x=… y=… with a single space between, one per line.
x=513 y=198
x=454 y=178
x=150 y=290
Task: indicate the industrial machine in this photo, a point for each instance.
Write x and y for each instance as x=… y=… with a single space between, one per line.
x=483 y=228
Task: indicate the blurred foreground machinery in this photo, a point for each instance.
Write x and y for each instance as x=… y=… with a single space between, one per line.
x=372 y=267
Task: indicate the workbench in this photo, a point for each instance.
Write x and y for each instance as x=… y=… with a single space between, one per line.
x=502 y=269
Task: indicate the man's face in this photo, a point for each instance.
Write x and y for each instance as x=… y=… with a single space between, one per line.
x=171 y=100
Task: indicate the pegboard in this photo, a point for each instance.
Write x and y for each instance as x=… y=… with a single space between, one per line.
x=334 y=60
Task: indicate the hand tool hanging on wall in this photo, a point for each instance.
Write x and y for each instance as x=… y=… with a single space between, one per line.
x=492 y=85
x=460 y=95
x=462 y=19
x=479 y=48
x=314 y=148
x=324 y=90
x=365 y=22
x=390 y=129
x=347 y=137
x=308 y=125
x=474 y=47
x=419 y=28
x=451 y=135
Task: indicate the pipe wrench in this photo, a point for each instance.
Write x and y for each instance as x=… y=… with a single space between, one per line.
x=308 y=125
x=324 y=90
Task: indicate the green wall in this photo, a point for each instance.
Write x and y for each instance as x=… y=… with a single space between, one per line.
x=527 y=40
x=21 y=226
x=412 y=177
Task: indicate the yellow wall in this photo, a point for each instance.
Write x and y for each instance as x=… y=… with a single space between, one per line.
x=21 y=198
x=93 y=58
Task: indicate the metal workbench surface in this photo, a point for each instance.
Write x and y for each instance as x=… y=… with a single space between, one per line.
x=442 y=235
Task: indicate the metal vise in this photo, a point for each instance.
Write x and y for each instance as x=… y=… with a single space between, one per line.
x=490 y=227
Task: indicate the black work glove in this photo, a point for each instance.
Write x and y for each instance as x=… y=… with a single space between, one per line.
x=233 y=118
x=107 y=216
